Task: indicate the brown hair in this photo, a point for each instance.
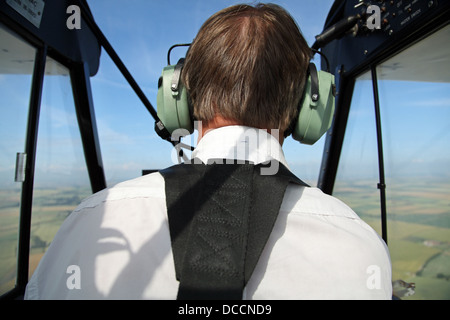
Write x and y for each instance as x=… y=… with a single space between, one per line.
x=248 y=64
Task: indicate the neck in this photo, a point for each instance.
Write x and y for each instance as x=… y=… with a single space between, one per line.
x=218 y=122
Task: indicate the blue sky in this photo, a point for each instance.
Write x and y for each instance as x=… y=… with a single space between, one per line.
x=416 y=139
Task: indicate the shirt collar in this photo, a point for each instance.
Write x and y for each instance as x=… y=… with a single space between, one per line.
x=240 y=143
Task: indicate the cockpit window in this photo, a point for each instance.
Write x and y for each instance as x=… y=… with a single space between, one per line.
x=16 y=69
x=414 y=93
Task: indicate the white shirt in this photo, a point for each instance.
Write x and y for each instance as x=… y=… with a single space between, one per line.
x=116 y=243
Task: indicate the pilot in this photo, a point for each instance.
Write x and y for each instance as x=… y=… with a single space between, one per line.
x=245 y=73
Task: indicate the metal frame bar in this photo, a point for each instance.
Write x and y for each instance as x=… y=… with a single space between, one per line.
x=381 y=185
x=117 y=61
x=335 y=136
x=27 y=186
x=84 y=107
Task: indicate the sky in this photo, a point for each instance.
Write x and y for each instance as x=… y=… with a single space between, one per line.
x=416 y=137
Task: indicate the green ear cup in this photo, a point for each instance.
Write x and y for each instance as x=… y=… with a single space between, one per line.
x=172 y=100
x=315 y=117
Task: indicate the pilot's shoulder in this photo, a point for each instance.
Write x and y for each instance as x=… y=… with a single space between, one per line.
x=312 y=200
x=147 y=186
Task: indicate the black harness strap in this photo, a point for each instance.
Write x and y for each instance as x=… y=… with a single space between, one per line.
x=220 y=217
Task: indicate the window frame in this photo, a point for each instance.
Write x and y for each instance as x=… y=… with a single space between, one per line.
x=84 y=109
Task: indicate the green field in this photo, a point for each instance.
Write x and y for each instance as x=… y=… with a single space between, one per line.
x=50 y=208
x=418 y=228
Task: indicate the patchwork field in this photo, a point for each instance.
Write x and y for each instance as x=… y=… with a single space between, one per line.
x=50 y=208
x=418 y=228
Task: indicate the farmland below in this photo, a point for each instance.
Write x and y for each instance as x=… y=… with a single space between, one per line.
x=50 y=208
x=418 y=229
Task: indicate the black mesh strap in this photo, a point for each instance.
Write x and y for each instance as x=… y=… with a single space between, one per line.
x=220 y=217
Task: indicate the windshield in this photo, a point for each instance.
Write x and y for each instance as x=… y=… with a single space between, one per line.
x=414 y=93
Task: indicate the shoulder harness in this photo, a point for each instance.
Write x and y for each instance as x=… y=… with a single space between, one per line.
x=220 y=218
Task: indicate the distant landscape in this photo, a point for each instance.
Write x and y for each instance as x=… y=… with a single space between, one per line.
x=418 y=228
x=50 y=208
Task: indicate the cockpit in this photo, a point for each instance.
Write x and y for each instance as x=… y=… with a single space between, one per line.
x=78 y=88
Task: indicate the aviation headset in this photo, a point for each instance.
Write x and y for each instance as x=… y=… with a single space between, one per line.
x=314 y=118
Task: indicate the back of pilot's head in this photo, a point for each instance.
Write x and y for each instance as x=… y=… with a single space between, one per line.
x=248 y=64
